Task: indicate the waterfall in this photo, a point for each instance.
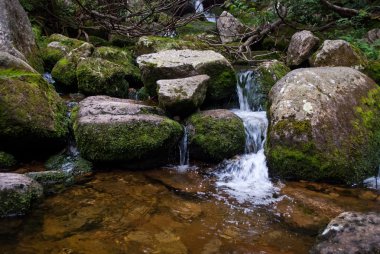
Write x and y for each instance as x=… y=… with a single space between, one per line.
x=373 y=182
x=183 y=150
x=198 y=5
x=246 y=178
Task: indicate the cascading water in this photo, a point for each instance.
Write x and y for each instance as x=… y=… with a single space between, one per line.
x=198 y=5
x=184 y=151
x=246 y=178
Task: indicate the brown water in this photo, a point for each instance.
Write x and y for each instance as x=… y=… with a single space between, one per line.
x=163 y=211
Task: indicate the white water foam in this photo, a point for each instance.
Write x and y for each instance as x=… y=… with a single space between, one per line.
x=210 y=17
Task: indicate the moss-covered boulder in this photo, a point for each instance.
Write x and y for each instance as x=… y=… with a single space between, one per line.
x=154 y=44
x=64 y=72
x=124 y=58
x=181 y=97
x=64 y=41
x=17 y=193
x=7 y=161
x=324 y=125
x=338 y=53
x=173 y=64
x=32 y=115
x=97 y=76
x=110 y=130
x=52 y=180
x=215 y=135
x=72 y=165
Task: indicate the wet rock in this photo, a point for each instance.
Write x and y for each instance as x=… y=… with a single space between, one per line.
x=116 y=130
x=215 y=135
x=72 y=165
x=154 y=44
x=311 y=135
x=350 y=233
x=17 y=193
x=51 y=178
x=32 y=115
x=97 y=76
x=182 y=96
x=125 y=59
x=373 y=35
x=230 y=28
x=338 y=53
x=16 y=36
x=174 y=64
x=301 y=47
x=64 y=71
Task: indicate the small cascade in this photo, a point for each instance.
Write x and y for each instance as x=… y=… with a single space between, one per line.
x=373 y=182
x=246 y=178
x=184 y=151
x=198 y=5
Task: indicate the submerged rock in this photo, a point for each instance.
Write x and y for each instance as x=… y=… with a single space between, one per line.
x=51 y=178
x=174 y=64
x=97 y=76
x=215 y=135
x=32 y=115
x=330 y=130
x=182 y=96
x=338 y=53
x=350 y=233
x=17 y=193
x=117 y=130
x=301 y=47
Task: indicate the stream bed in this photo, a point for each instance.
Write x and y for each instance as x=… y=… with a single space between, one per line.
x=167 y=211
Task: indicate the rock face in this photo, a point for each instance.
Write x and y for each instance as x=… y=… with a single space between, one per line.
x=373 y=35
x=182 y=96
x=17 y=193
x=32 y=115
x=116 y=130
x=329 y=130
x=16 y=36
x=350 y=233
x=8 y=61
x=338 y=53
x=301 y=47
x=173 y=64
x=229 y=27
x=98 y=76
x=215 y=135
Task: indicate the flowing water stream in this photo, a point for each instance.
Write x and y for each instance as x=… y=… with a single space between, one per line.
x=200 y=9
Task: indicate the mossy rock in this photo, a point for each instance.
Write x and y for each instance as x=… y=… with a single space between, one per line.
x=73 y=165
x=31 y=112
x=53 y=179
x=373 y=70
x=123 y=132
x=215 y=135
x=51 y=56
x=64 y=72
x=17 y=194
x=7 y=161
x=66 y=41
x=124 y=58
x=197 y=27
x=330 y=131
x=97 y=76
x=142 y=94
x=122 y=40
x=154 y=44
x=99 y=42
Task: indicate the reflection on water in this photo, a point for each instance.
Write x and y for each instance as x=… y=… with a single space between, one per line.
x=163 y=211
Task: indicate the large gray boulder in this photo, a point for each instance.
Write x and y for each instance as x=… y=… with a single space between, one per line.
x=324 y=125
x=338 y=53
x=17 y=193
x=182 y=96
x=230 y=28
x=301 y=47
x=174 y=64
x=118 y=130
x=350 y=233
x=8 y=61
x=16 y=36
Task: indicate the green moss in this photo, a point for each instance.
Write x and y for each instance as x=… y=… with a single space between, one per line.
x=66 y=41
x=215 y=139
x=51 y=56
x=197 y=27
x=101 y=77
x=135 y=140
x=76 y=166
x=142 y=94
x=122 y=57
x=50 y=178
x=373 y=70
x=7 y=160
x=98 y=42
x=30 y=106
x=222 y=81
x=64 y=72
